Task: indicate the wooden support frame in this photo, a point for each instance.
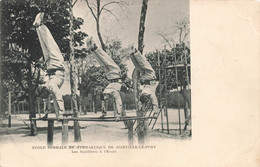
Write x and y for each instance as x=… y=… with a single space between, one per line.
x=65 y=127
x=163 y=69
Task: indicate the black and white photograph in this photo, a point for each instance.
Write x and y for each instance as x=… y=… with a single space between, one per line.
x=108 y=70
x=115 y=79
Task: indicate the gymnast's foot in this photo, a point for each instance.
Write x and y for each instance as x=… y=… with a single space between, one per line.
x=38 y=20
x=91 y=46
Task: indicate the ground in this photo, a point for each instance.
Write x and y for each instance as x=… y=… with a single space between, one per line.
x=91 y=132
x=103 y=144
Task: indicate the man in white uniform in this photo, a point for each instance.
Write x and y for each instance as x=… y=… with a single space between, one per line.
x=113 y=74
x=54 y=62
x=148 y=78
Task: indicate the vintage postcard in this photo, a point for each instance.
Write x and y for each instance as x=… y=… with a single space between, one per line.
x=130 y=83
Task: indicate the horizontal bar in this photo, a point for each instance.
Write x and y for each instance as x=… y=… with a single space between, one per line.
x=109 y=119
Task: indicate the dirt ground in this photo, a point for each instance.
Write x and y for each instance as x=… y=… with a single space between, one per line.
x=91 y=132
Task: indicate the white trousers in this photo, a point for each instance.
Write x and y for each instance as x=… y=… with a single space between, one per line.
x=51 y=52
x=111 y=68
x=113 y=89
x=54 y=61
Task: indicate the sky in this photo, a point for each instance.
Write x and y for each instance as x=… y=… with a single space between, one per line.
x=161 y=17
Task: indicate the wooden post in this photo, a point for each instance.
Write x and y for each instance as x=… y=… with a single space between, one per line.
x=178 y=100
x=77 y=134
x=50 y=132
x=9 y=109
x=161 y=87
x=73 y=83
x=65 y=132
x=114 y=108
x=142 y=131
x=166 y=91
x=22 y=106
x=18 y=108
x=130 y=132
x=39 y=109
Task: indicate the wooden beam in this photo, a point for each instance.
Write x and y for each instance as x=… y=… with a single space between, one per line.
x=130 y=132
x=50 y=132
x=9 y=109
x=96 y=119
x=65 y=132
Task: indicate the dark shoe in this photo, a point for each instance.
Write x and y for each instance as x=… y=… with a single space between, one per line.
x=155 y=114
x=60 y=117
x=103 y=115
x=45 y=116
x=117 y=117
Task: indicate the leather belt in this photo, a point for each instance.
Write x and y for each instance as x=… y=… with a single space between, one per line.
x=53 y=71
x=115 y=80
x=147 y=82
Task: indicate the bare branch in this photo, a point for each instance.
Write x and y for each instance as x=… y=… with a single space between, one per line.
x=91 y=9
x=163 y=36
x=180 y=35
x=74 y=3
x=109 y=11
x=185 y=35
x=109 y=3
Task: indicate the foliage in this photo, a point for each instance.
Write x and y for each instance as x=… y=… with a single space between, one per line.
x=17 y=30
x=93 y=81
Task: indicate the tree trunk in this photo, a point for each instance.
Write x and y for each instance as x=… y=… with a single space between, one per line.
x=141 y=124
x=100 y=38
x=80 y=102
x=136 y=76
x=31 y=102
x=141 y=26
x=77 y=135
x=98 y=27
x=80 y=94
x=94 y=103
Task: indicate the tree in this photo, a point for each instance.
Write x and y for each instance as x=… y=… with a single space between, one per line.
x=19 y=34
x=141 y=129
x=19 y=43
x=77 y=135
x=99 y=9
x=94 y=83
x=179 y=34
x=83 y=63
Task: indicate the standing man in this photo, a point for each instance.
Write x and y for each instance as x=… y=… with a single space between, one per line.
x=113 y=74
x=148 y=78
x=54 y=62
